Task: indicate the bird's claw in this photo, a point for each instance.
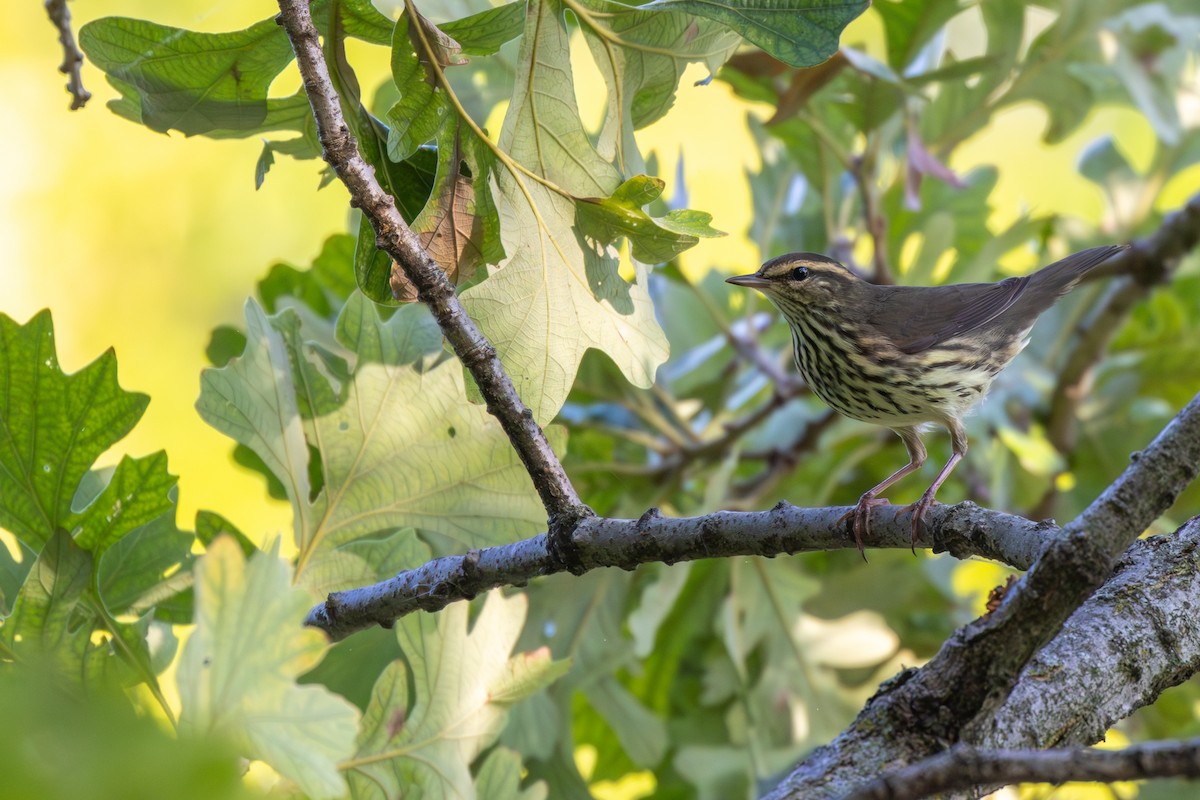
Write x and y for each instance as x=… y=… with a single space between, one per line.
x=918 y=510
x=862 y=519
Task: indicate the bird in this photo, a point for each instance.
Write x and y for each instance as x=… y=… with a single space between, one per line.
x=907 y=356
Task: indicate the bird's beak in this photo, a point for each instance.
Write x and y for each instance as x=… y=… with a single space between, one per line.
x=751 y=281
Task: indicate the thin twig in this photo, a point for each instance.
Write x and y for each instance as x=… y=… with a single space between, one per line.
x=964 y=529
x=394 y=237
x=781 y=461
x=60 y=15
x=862 y=167
x=963 y=767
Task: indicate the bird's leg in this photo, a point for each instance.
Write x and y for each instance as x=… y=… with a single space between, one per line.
x=862 y=511
x=958 y=444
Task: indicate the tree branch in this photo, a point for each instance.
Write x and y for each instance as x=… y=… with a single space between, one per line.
x=963 y=766
x=1133 y=639
x=920 y=711
x=963 y=530
x=394 y=237
x=862 y=169
x=60 y=16
x=1148 y=263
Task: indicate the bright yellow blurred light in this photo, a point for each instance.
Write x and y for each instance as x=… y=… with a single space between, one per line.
x=145 y=242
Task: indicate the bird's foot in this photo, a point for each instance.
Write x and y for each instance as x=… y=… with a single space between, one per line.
x=862 y=518
x=918 y=510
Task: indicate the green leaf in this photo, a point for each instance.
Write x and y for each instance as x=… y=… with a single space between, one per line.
x=188 y=81
x=1062 y=67
x=286 y=281
x=643 y=735
x=151 y=568
x=412 y=336
x=12 y=574
x=458 y=223
x=404 y=449
x=542 y=129
x=352 y=666
x=399 y=446
x=266 y=160
x=226 y=342
x=421 y=110
x=53 y=426
x=136 y=496
x=557 y=296
x=652 y=240
x=483 y=34
x=958 y=216
x=333 y=267
x=237 y=675
x=410 y=182
x=359 y=18
x=253 y=401
x=56 y=614
x=122 y=657
x=908 y=26
x=462 y=686
x=365 y=561
x=459 y=226
x=802 y=33
x=1105 y=165
x=372 y=266
x=40 y=625
x=114 y=750
x=210 y=525
x=1152 y=45
x=642 y=55
x=500 y=778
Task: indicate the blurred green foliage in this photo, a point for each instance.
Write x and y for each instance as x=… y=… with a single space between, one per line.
x=705 y=679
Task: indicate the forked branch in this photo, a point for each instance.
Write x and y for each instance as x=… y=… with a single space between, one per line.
x=396 y=238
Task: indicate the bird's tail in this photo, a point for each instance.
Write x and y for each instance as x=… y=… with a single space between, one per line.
x=1061 y=276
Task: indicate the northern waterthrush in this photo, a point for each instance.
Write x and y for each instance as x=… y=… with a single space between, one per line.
x=904 y=356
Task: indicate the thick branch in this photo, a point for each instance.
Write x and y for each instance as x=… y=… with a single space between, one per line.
x=1136 y=637
x=963 y=530
x=921 y=711
x=398 y=240
x=962 y=766
x=60 y=15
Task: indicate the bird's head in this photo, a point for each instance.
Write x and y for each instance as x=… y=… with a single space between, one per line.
x=801 y=280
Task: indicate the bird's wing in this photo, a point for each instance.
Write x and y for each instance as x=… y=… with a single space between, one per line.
x=941 y=313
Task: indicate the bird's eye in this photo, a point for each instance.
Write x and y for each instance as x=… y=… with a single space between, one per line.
x=799 y=273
